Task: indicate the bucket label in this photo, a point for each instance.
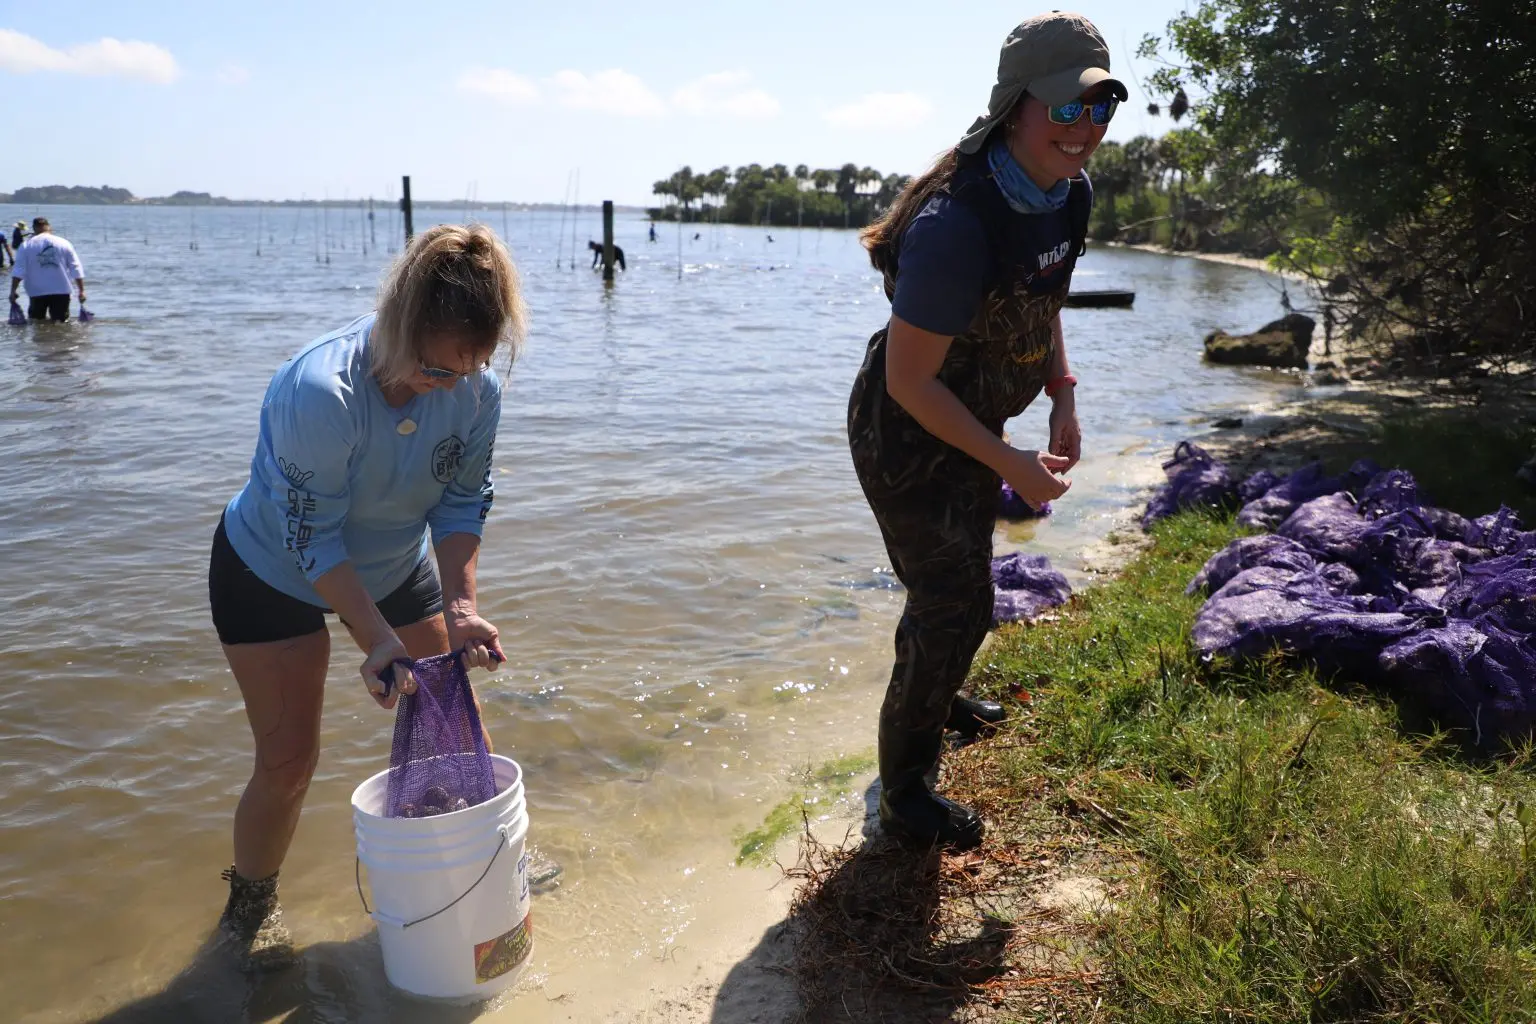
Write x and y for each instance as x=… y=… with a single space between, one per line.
x=495 y=957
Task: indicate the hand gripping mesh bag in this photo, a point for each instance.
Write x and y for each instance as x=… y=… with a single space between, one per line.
x=438 y=762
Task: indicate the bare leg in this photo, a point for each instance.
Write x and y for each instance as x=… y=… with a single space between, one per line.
x=283 y=684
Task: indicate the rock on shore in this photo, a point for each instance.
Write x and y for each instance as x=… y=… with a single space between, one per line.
x=1285 y=342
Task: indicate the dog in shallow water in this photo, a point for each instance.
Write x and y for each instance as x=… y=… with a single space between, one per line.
x=597 y=255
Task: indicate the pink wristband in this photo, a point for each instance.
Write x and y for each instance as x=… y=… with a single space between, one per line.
x=1065 y=380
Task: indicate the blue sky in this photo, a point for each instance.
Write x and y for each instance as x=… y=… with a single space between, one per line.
x=504 y=100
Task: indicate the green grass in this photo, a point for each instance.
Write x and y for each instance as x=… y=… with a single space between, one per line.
x=817 y=785
x=1293 y=853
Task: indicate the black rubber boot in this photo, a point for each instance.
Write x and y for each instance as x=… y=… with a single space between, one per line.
x=909 y=810
x=252 y=923
x=971 y=718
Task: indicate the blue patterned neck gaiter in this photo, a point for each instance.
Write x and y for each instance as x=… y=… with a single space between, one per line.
x=1022 y=194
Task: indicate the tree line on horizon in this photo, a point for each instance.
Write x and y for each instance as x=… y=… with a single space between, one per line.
x=846 y=196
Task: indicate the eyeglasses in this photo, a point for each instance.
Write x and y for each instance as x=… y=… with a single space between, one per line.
x=438 y=373
x=1070 y=113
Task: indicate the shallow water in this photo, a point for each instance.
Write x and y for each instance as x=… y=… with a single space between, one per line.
x=690 y=588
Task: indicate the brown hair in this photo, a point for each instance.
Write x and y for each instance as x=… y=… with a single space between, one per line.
x=451 y=278
x=883 y=237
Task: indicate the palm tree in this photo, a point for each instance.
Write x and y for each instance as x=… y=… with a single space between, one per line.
x=1185 y=153
x=715 y=184
x=890 y=188
x=667 y=188
x=1113 y=176
x=847 y=182
x=687 y=186
x=847 y=188
x=823 y=179
x=1141 y=156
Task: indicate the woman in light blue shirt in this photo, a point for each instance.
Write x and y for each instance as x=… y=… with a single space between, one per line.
x=375 y=439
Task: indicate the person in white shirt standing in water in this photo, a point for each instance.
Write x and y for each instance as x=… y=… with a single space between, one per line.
x=47 y=264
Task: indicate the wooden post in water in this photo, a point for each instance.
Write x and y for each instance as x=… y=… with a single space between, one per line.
x=608 y=241
x=405 y=206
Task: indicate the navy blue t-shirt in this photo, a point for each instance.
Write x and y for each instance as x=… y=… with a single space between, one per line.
x=946 y=263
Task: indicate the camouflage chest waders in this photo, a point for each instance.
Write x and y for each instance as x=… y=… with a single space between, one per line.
x=937 y=509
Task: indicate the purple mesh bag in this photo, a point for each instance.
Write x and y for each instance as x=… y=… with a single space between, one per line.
x=1391 y=491
x=1477 y=674
x=1268 y=510
x=1011 y=506
x=1401 y=547
x=1263 y=608
x=1257 y=485
x=1448 y=525
x=1505 y=585
x=1329 y=527
x=1026 y=585
x=1247 y=553
x=438 y=762
x=1498 y=531
x=1195 y=480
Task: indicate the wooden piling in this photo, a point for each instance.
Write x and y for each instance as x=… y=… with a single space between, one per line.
x=405 y=206
x=608 y=240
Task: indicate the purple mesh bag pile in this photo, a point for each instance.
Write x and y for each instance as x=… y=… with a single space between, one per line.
x=1195 y=480
x=438 y=762
x=1363 y=577
x=1269 y=500
x=1024 y=587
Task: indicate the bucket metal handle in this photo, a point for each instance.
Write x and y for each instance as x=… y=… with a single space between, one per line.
x=379 y=915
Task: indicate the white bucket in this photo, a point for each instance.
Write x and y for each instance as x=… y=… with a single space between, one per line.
x=450 y=891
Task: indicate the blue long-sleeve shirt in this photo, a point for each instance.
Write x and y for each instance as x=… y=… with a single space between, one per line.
x=334 y=479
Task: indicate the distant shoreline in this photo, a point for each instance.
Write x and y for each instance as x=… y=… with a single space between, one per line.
x=348 y=204
x=106 y=195
x=1230 y=258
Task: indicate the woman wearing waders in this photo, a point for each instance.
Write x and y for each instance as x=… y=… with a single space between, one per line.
x=374 y=453
x=977 y=255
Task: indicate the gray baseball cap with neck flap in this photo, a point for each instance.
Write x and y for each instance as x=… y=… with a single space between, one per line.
x=1054 y=57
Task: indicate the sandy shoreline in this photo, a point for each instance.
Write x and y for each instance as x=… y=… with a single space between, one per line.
x=1230 y=258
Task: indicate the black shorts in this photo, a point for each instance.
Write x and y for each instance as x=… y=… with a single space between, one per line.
x=247 y=610
x=54 y=307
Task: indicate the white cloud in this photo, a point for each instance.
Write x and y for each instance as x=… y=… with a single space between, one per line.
x=725 y=93
x=610 y=92
x=105 y=57
x=499 y=84
x=881 y=110
x=233 y=74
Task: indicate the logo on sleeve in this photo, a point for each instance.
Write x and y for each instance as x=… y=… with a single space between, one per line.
x=296 y=476
x=446 y=458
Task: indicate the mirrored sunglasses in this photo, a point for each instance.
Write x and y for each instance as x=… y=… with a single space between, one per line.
x=1070 y=113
